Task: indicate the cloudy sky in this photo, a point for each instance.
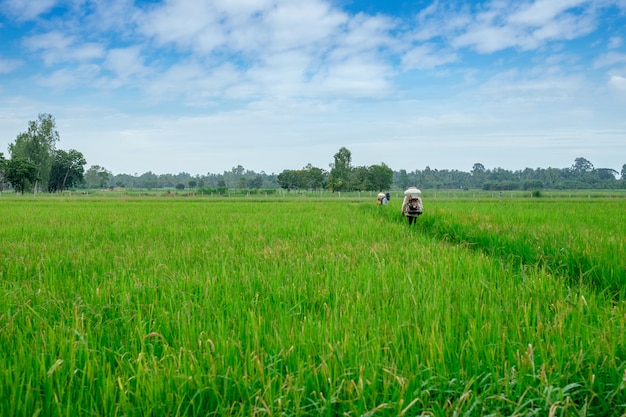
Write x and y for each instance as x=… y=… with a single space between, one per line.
x=201 y=86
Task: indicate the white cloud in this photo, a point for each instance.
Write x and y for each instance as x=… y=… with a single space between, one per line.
x=615 y=42
x=277 y=48
x=610 y=59
x=69 y=78
x=530 y=87
x=240 y=26
x=426 y=56
x=195 y=84
x=618 y=82
x=112 y=16
x=50 y=40
x=57 y=48
x=488 y=39
x=125 y=62
x=308 y=25
x=182 y=23
x=543 y=12
x=27 y=9
x=353 y=77
x=449 y=121
x=564 y=27
x=527 y=26
x=9 y=65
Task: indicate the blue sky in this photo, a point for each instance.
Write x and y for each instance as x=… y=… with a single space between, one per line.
x=201 y=86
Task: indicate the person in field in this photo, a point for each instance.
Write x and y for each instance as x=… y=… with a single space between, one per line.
x=412 y=204
x=382 y=199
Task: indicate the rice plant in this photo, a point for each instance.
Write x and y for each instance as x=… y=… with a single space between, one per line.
x=195 y=307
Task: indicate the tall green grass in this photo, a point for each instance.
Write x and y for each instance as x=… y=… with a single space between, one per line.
x=581 y=240
x=200 y=307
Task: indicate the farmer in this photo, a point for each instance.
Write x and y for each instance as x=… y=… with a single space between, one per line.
x=412 y=204
x=382 y=199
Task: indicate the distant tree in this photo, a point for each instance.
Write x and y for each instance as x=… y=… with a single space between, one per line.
x=582 y=165
x=501 y=174
x=623 y=173
x=380 y=177
x=98 y=177
x=605 y=174
x=119 y=180
x=402 y=179
x=550 y=176
x=287 y=179
x=166 y=180
x=67 y=170
x=359 y=179
x=2 y=161
x=478 y=174
x=315 y=178
x=527 y=174
x=238 y=170
x=478 y=169
x=340 y=171
x=37 y=145
x=426 y=178
x=148 y=180
x=20 y=173
x=256 y=182
x=532 y=185
x=180 y=186
x=307 y=178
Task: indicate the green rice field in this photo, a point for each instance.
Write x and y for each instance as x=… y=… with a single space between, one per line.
x=305 y=306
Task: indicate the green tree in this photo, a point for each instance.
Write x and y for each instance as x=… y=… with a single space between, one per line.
x=623 y=172
x=380 y=177
x=307 y=178
x=605 y=174
x=550 y=176
x=235 y=177
x=340 y=170
x=315 y=177
x=98 y=177
x=37 y=145
x=478 y=174
x=20 y=173
x=256 y=182
x=359 y=179
x=402 y=179
x=287 y=179
x=2 y=161
x=67 y=170
x=582 y=165
x=148 y=180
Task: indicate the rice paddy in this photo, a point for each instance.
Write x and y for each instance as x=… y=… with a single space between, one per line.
x=306 y=306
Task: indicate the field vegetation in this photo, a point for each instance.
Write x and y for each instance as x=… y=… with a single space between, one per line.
x=297 y=306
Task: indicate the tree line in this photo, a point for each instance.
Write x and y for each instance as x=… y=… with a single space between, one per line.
x=581 y=175
x=36 y=165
